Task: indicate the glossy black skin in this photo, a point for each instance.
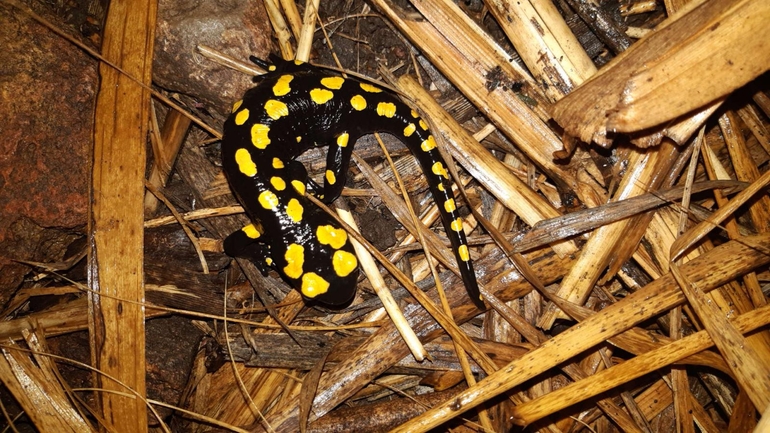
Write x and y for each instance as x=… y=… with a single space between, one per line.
x=317 y=125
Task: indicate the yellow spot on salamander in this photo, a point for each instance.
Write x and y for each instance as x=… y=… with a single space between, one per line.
x=282 y=86
x=387 y=109
x=463 y=252
x=428 y=144
x=358 y=102
x=278 y=183
x=423 y=125
x=342 y=139
x=321 y=96
x=259 y=136
x=295 y=258
x=332 y=82
x=313 y=285
x=298 y=186
x=294 y=210
x=370 y=88
x=409 y=130
x=277 y=163
x=268 y=200
x=271 y=68
x=328 y=235
x=330 y=177
x=299 y=138
x=344 y=263
x=450 y=206
x=237 y=105
x=276 y=109
x=457 y=225
x=438 y=168
x=245 y=164
x=298 y=62
x=242 y=117
x=414 y=114
x=251 y=231
x=441 y=186
x=269 y=261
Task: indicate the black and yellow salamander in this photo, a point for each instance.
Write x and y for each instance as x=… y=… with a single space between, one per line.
x=294 y=107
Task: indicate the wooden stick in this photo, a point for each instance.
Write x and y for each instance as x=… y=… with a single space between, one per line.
x=697 y=233
x=613 y=242
x=282 y=33
x=308 y=29
x=366 y=261
x=116 y=224
x=750 y=371
x=169 y=142
x=623 y=373
x=710 y=270
x=534 y=35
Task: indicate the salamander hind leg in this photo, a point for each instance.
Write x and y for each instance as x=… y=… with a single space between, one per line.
x=318 y=260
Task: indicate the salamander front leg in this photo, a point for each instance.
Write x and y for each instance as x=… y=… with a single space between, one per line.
x=337 y=162
x=302 y=183
x=249 y=243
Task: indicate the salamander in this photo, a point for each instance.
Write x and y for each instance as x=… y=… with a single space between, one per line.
x=296 y=106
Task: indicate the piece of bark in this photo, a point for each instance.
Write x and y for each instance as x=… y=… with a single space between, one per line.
x=727 y=45
x=640 y=91
x=379 y=417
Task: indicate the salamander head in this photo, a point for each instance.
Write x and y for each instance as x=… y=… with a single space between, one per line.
x=276 y=65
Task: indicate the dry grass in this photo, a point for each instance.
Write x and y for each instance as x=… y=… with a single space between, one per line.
x=655 y=279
